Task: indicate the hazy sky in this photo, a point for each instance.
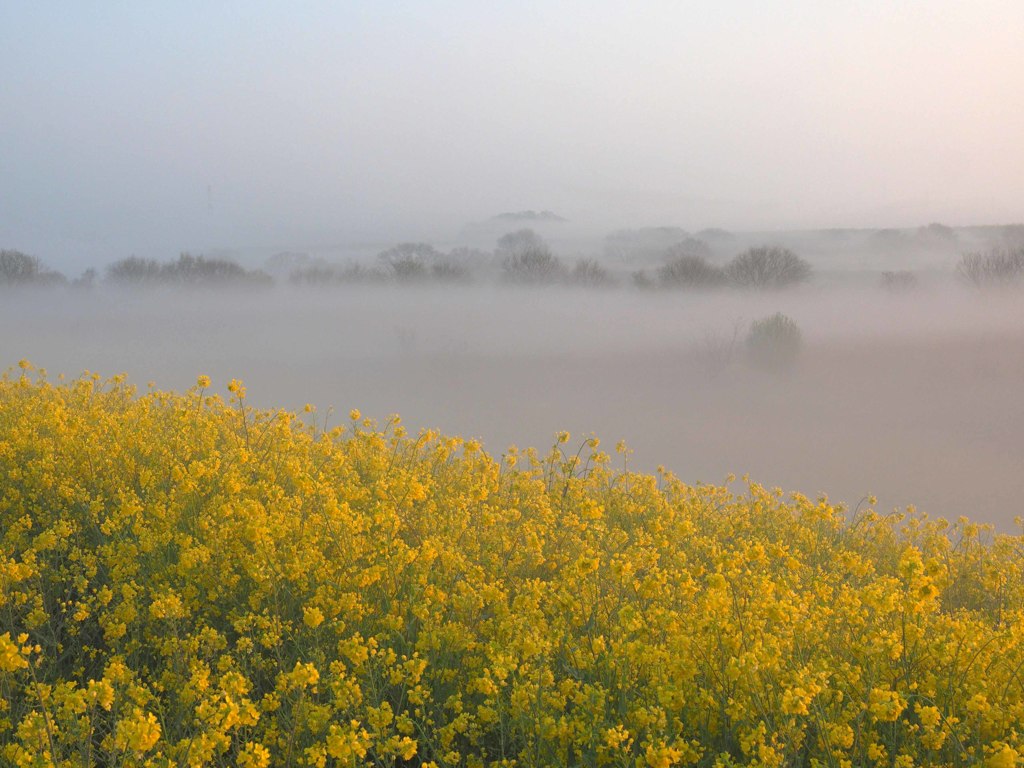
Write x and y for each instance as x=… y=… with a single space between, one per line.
x=152 y=127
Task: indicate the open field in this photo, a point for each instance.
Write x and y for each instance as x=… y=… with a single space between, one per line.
x=913 y=397
x=185 y=580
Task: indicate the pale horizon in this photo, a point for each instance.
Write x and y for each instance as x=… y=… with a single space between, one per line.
x=152 y=129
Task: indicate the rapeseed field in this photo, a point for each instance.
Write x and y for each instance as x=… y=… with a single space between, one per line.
x=187 y=581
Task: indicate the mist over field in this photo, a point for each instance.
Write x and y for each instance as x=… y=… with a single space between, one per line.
x=290 y=147
x=911 y=396
x=731 y=295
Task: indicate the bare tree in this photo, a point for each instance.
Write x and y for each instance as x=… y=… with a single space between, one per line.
x=690 y=271
x=526 y=258
x=588 y=273
x=992 y=268
x=409 y=262
x=17 y=268
x=715 y=352
x=767 y=267
x=185 y=270
x=641 y=280
x=134 y=270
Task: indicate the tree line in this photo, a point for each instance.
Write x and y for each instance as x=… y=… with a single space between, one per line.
x=522 y=257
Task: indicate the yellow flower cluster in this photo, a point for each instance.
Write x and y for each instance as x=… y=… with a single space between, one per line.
x=187 y=581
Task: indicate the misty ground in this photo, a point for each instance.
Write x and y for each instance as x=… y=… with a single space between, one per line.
x=914 y=397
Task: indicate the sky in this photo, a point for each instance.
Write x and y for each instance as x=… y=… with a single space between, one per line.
x=148 y=128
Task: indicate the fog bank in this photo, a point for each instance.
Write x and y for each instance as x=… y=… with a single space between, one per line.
x=913 y=397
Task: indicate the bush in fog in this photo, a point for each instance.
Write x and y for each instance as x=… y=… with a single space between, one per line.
x=196 y=270
x=992 y=268
x=589 y=274
x=17 y=268
x=716 y=352
x=690 y=271
x=86 y=281
x=526 y=258
x=185 y=270
x=898 y=281
x=533 y=267
x=419 y=262
x=767 y=267
x=448 y=271
x=461 y=264
x=936 y=237
x=774 y=343
x=641 y=280
x=409 y=262
x=134 y=270
x=691 y=246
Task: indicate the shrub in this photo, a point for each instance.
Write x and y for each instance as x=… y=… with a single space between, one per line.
x=86 y=281
x=134 y=270
x=590 y=274
x=526 y=258
x=993 y=268
x=196 y=270
x=447 y=271
x=936 y=237
x=716 y=352
x=767 y=267
x=641 y=280
x=690 y=272
x=409 y=262
x=774 y=343
x=185 y=270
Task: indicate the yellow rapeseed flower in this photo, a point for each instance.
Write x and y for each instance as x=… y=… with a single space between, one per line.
x=11 y=658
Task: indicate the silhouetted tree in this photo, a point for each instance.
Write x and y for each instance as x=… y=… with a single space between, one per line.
x=17 y=268
x=690 y=272
x=641 y=280
x=189 y=269
x=134 y=270
x=526 y=258
x=86 y=281
x=590 y=274
x=767 y=267
x=992 y=268
x=409 y=262
x=185 y=270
